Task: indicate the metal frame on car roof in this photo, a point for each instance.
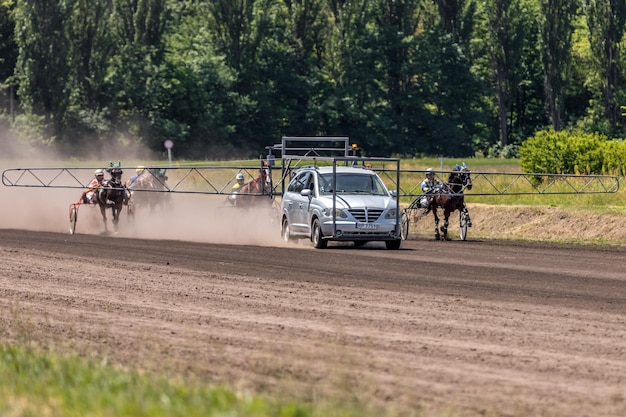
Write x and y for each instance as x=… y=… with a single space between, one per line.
x=328 y=150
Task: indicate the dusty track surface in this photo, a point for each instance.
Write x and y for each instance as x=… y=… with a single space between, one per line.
x=477 y=327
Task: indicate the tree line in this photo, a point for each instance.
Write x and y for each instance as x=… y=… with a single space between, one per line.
x=225 y=78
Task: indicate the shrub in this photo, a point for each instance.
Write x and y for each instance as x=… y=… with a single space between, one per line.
x=572 y=153
x=614 y=152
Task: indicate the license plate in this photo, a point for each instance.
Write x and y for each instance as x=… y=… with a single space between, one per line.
x=367 y=226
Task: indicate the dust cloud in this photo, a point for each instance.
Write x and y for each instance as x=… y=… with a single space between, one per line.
x=206 y=218
x=188 y=217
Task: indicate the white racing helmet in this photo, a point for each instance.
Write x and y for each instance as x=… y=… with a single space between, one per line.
x=239 y=176
x=98 y=172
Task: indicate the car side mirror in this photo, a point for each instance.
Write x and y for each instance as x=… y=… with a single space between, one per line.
x=394 y=193
x=306 y=193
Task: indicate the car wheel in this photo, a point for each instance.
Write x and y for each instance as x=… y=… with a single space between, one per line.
x=317 y=237
x=393 y=244
x=285 y=230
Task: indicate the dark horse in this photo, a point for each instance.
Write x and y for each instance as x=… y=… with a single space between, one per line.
x=450 y=198
x=112 y=194
x=148 y=189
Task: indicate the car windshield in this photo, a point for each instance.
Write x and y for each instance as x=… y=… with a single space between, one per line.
x=352 y=183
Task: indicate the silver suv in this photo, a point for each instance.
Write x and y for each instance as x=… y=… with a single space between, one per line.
x=348 y=204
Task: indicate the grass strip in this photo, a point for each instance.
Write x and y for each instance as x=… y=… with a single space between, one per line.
x=44 y=384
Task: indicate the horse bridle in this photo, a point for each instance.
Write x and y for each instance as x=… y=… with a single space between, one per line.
x=465 y=179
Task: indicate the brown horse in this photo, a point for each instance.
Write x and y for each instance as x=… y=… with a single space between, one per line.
x=253 y=193
x=248 y=195
x=450 y=198
x=112 y=194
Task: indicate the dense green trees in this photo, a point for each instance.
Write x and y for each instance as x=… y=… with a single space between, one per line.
x=8 y=52
x=225 y=78
x=556 y=30
x=605 y=20
x=42 y=65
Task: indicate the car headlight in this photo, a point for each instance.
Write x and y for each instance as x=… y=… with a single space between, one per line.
x=391 y=214
x=339 y=214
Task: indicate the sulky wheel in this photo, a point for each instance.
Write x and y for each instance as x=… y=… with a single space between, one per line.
x=404 y=225
x=463 y=225
x=73 y=218
x=130 y=208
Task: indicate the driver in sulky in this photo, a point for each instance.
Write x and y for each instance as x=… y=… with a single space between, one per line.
x=235 y=190
x=428 y=186
x=97 y=182
x=138 y=171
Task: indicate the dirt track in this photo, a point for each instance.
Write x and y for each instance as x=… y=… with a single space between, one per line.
x=480 y=327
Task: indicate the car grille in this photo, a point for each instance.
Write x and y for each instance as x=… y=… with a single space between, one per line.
x=366 y=216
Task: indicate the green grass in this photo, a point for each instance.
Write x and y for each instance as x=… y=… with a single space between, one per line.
x=606 y=203
x=42 y=384
x=613 y=202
